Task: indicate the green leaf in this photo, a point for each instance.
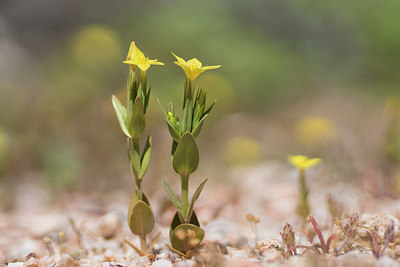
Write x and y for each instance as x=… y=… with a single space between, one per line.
x=141 y=218
x=121 y=113
x=194 y=198
x=138 y=121
x=173 y=198
x=186 y=156
x=145 y=159
x=186 y=237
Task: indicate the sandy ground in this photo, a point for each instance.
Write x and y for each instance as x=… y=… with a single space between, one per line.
x=76 y=230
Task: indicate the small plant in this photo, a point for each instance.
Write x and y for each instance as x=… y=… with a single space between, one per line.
x=253 y=224
x=302 y=163
x=349 y=231
x=289 y=239
x=324 y=246
x=378 y=248
x=132 y=121
x=185 y=232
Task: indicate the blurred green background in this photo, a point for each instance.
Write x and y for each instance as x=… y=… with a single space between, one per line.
x=60 y=62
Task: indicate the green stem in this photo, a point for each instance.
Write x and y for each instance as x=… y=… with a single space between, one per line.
x=139 y=190
x=303 y=208
x=143 y=80
x=185 y=194
x=143 y=246
x=133 y=146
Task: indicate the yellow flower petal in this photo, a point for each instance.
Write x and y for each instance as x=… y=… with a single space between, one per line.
x=155 y=62
x=194 y=63
x=180 y=60
x=302 y=162
x=137 y=58
x=143 y=67
x=130 y=52
x=211 y=67
x=192 y=67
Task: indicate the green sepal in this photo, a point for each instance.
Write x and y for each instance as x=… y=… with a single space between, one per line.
x=201 y=97
x=197 y=128
x=210 y=108
x=147 y=99
x=145 y=158
x=186 y=236
x=194 y=198
x=198 y=114
x=138 y=121
x=174 y=126
x=140 y=215
x=131 y=85
x=121 y=113
x=186 y=156
x=173 y=198
x=173 y=132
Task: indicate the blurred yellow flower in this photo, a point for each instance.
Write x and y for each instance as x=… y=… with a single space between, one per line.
x=136 y=57
x=192 y=67
x=242 y=150
x=392 y=106
x=302 y=162
x=314 y=131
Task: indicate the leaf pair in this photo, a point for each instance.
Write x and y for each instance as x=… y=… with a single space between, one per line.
x=131 y=123
x=139 y=162
x=175 y=201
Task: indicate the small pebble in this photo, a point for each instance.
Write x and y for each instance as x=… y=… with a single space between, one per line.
x=162 y=263
x=32 y=262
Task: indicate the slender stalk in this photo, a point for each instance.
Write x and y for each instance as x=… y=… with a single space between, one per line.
x=143 y=246
x=303 y=208
x=133 y=146
x=139 y=190
x=185 y=194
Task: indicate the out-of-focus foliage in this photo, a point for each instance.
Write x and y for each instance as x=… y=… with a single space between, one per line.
x=4 y=144
x=58 y=69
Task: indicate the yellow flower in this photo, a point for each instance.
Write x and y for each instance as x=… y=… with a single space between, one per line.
x=192 y=67
x=303 y=162
x=136 y=57
x=315 y=132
